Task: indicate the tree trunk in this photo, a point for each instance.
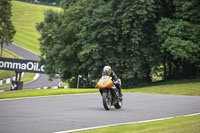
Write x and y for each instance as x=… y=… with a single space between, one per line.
x=148 y=68
x=197 y=73
x=1 y=49
x=184 y=70
x=176 y=69
x=164 y=65
x=170 y=69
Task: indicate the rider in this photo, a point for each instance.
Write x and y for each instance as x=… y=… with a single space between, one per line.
x=108 y=71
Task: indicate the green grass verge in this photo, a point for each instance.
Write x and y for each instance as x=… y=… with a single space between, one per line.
x=4 y=74
x=181 y=87
x=43 y=92
x=25 y=16
x=28 y=77
x=187 y=124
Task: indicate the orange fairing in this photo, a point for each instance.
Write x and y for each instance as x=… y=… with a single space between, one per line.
x=105 y=82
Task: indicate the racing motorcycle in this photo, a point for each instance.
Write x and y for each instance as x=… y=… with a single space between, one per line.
x=109 y=92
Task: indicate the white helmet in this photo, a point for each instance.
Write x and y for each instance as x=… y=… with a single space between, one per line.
x=107 y=70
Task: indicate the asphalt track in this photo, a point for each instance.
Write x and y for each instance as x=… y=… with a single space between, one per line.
x=43 y=79
x=67 y=112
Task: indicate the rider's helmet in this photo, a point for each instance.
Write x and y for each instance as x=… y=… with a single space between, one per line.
x=107 y=70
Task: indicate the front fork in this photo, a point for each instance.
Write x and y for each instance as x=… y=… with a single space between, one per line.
x=114 y=93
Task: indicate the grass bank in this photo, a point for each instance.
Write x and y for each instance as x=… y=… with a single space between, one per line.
x=181 y=87
x=188 y=124
x=25 y=17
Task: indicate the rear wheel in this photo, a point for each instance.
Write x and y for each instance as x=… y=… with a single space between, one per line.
x=118 y=105
x=107 y=100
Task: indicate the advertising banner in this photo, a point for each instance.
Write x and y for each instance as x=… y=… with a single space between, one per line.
x=21 y=65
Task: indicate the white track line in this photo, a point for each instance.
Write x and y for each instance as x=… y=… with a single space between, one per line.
x=121 y=124
x=11 y=99
x=36 y=76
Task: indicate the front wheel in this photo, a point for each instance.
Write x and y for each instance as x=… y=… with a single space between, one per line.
x=107 y=100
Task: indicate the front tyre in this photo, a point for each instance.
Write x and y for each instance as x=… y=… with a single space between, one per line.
x=107 y=100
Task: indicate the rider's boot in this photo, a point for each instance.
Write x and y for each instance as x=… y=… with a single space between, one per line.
x=120 y=94
x=120 y=91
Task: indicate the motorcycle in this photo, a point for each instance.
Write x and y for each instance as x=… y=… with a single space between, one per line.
x=109 y=92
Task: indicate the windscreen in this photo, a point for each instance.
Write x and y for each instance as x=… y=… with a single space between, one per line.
x=104 y=79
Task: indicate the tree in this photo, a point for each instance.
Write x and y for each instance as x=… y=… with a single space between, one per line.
x=120 y=34
x=7 y=30
x=179 y=39
x=91 y=34
x=58 y=41
x=134 y=37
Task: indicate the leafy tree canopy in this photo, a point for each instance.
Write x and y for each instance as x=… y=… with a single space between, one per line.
x=133 y=37
x=7 y=30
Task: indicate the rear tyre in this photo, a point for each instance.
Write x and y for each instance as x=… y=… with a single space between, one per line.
x=119 y=103
x=107 y=100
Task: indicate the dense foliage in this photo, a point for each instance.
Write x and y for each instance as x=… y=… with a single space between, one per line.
x=136 y=38
x=179 y=37
x=7 y=30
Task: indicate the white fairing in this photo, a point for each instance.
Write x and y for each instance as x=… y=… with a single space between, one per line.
x=104 y=79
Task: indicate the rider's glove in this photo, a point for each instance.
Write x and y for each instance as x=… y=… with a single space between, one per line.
x=116 y=83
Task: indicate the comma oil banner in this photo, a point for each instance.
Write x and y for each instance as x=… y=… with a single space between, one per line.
x=21 y=65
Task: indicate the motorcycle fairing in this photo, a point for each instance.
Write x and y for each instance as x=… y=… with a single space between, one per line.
x=105 y=82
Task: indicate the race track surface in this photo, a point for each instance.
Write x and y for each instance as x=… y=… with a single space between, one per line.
x=43 y=79
x=67 y=112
